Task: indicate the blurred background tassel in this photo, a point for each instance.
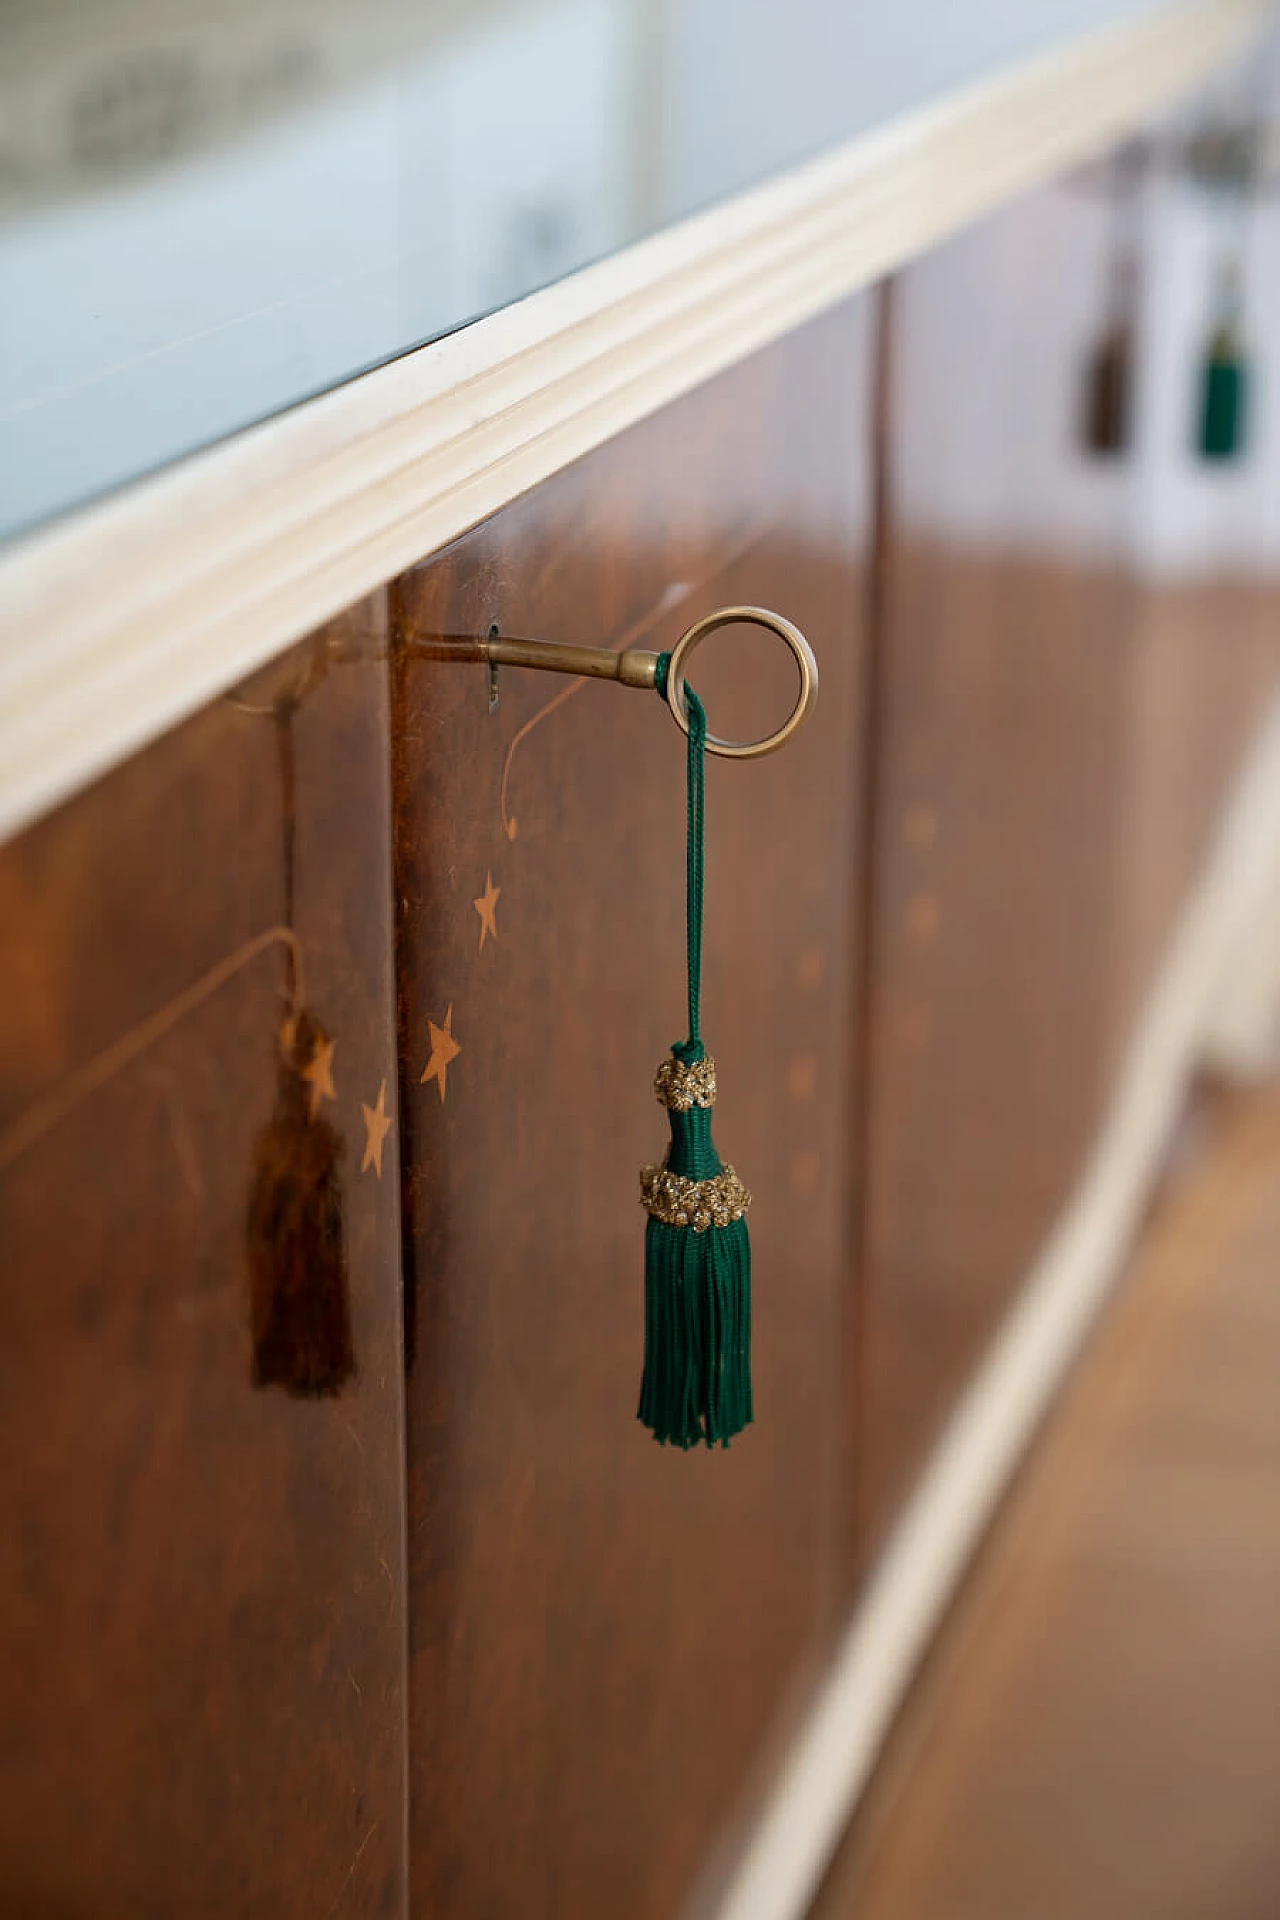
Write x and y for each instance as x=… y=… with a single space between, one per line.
x=1224 y=380
x=1108 y=392
x=1107 y=412
x=1226 y=162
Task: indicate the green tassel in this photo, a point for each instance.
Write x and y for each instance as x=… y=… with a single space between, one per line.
x=697 y=1281
x=696 y=1384
x=1223 y=394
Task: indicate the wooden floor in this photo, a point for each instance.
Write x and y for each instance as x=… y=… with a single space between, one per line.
x=1097 y=1730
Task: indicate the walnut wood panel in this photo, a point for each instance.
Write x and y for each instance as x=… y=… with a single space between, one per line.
x=1056 y=731
x=1002 y=763
x=1204 y=669
x=607 y=1637
x=1095 y=1730
x=201 y=1578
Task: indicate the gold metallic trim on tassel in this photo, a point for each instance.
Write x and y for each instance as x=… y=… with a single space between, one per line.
x=699 y=1204
x=679 y=1087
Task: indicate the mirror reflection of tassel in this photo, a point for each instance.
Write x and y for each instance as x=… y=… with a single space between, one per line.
x=1106 y=424
x=1224 y=378
x=299 y=1304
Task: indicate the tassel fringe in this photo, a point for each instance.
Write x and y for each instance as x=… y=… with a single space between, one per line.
x=696 y=1385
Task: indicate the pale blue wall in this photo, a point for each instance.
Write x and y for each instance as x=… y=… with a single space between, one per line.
x=144 y=316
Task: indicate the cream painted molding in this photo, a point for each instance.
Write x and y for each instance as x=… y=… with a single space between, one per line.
x=121 y=621
x=831 y=1761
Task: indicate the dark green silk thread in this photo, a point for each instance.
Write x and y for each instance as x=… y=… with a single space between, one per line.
x=692 y=1050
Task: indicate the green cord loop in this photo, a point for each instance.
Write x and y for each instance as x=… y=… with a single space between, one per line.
x=691 y=1050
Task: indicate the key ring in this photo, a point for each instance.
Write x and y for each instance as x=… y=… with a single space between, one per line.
x=638 y=667
x=800 y=650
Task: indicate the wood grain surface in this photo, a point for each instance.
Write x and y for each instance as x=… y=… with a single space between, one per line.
x=1057 y=722
x=201 y=1580
x=608 y=1637
x=930 y=925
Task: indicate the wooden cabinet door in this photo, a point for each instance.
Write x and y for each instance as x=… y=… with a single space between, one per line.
x=1061 y=711
x=202 y=1578
x=608 y=1637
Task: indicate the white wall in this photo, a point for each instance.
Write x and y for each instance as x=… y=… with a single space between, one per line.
x=145 y=314
x=155 y=315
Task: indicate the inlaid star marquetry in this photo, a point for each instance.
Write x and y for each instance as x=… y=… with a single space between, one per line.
x=377 y=1125
x=487 y=907
x=319 y=1075
x=444 y=1048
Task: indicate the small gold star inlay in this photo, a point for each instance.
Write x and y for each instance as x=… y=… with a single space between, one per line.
x=319 y=1075
x=487 y=907
x=444 y=1048
x=377 y=1125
